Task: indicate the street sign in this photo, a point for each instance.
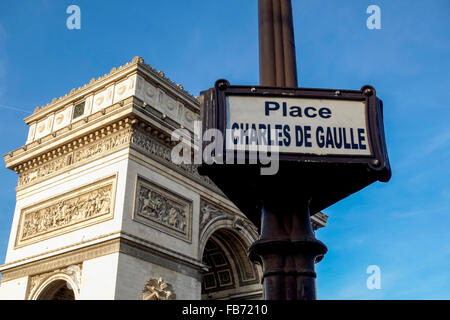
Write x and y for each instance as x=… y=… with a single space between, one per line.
x=301 y=125
x=297 y=125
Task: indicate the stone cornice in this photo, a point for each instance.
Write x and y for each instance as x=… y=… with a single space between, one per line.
x=319 y=220
x=160 y=250
x=64 y=136
x=57 y=122
x=121 y=242
x=130 y=131
x=29 y=159
x=88 y=128
x=160 y=78
x=36 y=264
x=114 y=75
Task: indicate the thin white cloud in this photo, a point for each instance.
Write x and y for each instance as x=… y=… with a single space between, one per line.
x=12 y=108
x=440 y=140
x=436 y=142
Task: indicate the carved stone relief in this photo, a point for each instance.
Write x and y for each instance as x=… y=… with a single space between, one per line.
x=158 y=290
x=163 y=210
x=102 y=146
x=88 y=151
x=99 y=147
x=52 y=217
x=243 y=223
x=145 y=143
x=209 y=212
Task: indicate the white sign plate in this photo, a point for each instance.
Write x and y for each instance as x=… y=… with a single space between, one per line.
x=297 y=125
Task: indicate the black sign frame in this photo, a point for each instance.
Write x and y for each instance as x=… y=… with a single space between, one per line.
x=215 y=116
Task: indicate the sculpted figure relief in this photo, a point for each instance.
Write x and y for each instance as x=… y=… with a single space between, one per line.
x=158 y=290
x=157 y=207
x=209 y=212
x=149 y=145
x=67 y=212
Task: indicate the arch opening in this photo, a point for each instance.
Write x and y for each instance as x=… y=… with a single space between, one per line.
x=231 y=274
x=57 y=290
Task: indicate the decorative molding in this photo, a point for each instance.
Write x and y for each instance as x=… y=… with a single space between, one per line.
x=126 y=243
x=158 y=290
x=129 y=244
x=61 y=260
x=127 y=132
x=209 y=212
x=143 y=142
x=244 y=223
x=72 y=271
x=135 y=61
x=76 y=209
x=163 y=210
x=319 y=220
x=102 y=146
x=84 y=104
x=90 y=147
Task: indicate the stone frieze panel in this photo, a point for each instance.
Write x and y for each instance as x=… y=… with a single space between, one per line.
x=73 y=210
x=164 y=210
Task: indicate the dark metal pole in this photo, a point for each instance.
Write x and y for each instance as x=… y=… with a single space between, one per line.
x=287 y=246
x=277 y=63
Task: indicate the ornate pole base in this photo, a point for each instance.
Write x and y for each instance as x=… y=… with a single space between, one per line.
x=288 y=251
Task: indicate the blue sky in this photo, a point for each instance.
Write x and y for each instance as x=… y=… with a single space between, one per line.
x=401 y=226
